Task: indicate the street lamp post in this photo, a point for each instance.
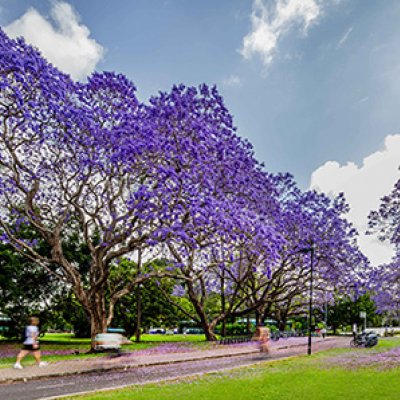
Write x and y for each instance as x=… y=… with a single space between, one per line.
x=310 y=300
x=311 y=251
x=139 y=300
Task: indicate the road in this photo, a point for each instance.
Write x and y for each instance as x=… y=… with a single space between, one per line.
x=52 y=388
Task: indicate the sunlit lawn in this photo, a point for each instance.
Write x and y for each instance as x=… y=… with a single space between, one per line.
x=70 y=339
x=293 y=379
x=172 y=338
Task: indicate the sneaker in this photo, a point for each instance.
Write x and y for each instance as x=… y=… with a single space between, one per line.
x=43 y=364
x=17 y=366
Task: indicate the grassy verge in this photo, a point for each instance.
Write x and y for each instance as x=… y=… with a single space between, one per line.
x=64 y=338
x=68 y=338
x=172 y=338
x=315 y=377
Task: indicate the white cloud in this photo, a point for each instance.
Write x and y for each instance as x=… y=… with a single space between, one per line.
x=63 y=40
x=363 y=187
x=232 y=80
x=269 y=24
x=344 y=38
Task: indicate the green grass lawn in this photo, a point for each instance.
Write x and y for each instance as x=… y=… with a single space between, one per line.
x=172 y=338
x=68 y=338
x=298 y=378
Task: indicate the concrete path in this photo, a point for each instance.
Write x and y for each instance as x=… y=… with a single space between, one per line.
x=132 y=360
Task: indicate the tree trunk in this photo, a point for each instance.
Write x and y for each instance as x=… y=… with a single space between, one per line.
x=200 y=311
x=138 y=313
x=223 y=329
x=282 y=325
x=223 y=305
x=208 y=328
x=98 y=320
x=209 y=333
x=259 y=320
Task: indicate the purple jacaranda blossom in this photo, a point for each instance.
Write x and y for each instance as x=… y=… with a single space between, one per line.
x=259 y=267
x=384 y=280
x=366 y=358
x=132 y=179
x=89 y=158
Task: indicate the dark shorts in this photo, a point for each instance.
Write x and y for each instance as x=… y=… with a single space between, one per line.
x=30 y=347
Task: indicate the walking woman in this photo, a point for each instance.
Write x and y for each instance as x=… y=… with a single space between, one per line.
x=30 y=344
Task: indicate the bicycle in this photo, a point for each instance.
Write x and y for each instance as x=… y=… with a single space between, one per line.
x=364 y=339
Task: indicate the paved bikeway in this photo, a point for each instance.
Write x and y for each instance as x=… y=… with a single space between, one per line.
x=132 y=360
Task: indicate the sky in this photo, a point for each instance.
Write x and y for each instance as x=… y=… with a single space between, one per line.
x=313 y=84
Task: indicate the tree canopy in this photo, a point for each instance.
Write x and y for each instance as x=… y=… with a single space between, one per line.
x=167 y=179
x=385 y=279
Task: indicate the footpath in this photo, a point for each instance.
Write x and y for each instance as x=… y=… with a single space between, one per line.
x=135 y=360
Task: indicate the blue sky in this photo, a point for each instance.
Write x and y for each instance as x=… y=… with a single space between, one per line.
x=313 y=84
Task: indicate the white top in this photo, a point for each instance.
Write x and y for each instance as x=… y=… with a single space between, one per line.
x=31 y=334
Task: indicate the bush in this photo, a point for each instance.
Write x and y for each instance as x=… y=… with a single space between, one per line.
x=234 y=329
x=272 y=328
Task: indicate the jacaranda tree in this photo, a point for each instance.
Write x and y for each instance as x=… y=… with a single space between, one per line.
x=306 y=219
x=224 y=181
x=233 y=276
x=385 y=279
x=88 y=158
x=169 y=179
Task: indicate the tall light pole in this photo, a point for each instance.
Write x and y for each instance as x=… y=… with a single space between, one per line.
x=310 y=308
x=139 y=300
x=310 y=301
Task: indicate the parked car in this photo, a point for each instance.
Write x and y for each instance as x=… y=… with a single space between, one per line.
x=193 y=331
x=154 y=331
